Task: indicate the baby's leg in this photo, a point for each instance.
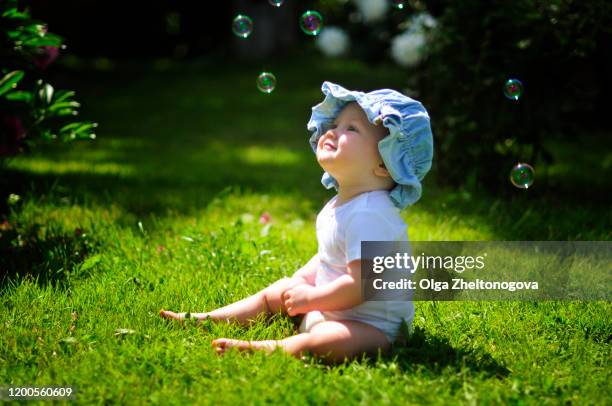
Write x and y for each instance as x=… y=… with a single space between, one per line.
x=331 y=340
x=267 y=300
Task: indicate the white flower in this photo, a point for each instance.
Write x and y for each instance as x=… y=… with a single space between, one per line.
x=333 y=41
x=372 y=10
x=420 y=22
x=407 y=49
x=423 y=20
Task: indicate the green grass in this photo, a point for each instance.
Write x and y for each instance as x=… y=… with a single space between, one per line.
x=162 y=211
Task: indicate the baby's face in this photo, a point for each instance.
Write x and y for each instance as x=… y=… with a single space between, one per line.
x=349 y=149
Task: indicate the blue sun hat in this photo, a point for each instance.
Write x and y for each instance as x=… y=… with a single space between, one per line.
x=408 y=149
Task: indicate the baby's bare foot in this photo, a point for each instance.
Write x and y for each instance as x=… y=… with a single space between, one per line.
x=223 y=344
x=167 y=314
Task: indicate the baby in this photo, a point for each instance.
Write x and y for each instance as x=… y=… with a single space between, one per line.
x=375 y=149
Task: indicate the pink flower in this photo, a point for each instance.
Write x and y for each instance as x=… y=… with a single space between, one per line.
x=46 y=55
x=265 y=218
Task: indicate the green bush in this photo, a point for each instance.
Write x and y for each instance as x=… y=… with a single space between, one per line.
x=31 y=110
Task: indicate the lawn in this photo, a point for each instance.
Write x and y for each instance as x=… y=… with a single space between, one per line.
x=162 y=211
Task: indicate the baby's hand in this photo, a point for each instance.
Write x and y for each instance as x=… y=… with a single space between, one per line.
x=297 y=299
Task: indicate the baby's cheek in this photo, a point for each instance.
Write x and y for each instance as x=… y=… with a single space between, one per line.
x=369 y=149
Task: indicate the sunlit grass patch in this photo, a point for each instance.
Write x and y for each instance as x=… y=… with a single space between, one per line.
x=50 y=167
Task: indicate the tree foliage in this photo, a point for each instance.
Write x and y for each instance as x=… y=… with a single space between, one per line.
x=556 y=48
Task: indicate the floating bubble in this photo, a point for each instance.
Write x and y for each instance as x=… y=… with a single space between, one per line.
x=276 y=3
x=398 y=4
x=266 y=82
x=311 y=22
x=522 y=175
x=242 y=26
x=513 y=88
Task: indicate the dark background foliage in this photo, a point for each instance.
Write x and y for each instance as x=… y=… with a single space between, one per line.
x=559 y=49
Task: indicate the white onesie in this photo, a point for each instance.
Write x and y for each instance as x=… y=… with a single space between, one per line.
x=371 y=216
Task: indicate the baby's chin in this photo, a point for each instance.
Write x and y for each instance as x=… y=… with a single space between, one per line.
x=326 y=162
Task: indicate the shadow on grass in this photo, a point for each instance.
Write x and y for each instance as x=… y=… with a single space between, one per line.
x=427 y=354
x=174 y=140
x=434 y=354
x=43 y=255
x=137 y=197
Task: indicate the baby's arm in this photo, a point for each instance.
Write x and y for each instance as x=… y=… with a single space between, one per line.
x=309 y=271
x=343 y=293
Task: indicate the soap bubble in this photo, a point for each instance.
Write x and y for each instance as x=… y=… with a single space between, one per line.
x=513 y=88
x=311 y=22
x=276 y=3
x=242 y=26
x=398 y=4
x=266 y=82
x=522 y=175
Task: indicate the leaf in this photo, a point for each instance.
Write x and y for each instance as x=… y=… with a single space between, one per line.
x=14 y=13
x=19 y=96
x=10 y=80
x=13 y=34
x=61 y=105
x=62 y=112
x=63 y=95
x=79 y=130
x=69 y=127
x=91 y=262
x=48 y=40
x=124 y=331
x=78 y=127
x=9 y=12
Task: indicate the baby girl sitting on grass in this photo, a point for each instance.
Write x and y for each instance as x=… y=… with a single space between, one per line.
x=375 y=149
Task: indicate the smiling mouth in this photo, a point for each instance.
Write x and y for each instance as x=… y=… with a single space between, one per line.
x=329 y=145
